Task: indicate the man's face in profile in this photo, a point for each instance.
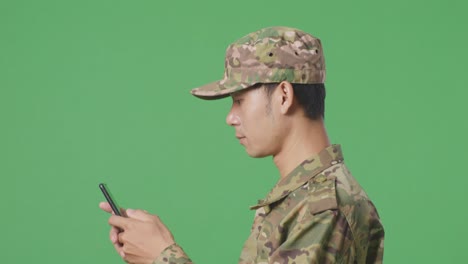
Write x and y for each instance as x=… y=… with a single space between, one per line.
x=253 y=119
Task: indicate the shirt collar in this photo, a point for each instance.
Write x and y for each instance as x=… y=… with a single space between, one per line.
x=307 y=170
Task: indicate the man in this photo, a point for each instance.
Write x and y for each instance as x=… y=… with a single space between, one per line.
x=317 y=212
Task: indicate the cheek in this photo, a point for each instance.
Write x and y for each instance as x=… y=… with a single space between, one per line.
x=256 y=122
x=273 y=130
x=263 y=128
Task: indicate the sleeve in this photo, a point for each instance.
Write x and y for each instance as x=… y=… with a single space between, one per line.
x=317 y=238
x=173 y=254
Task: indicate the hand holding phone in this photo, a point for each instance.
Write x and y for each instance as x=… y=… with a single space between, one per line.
x=144 y=239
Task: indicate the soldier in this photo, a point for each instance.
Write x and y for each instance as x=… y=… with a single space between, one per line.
x=317 y=212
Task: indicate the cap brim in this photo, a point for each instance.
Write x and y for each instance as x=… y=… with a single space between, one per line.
x=215 y=90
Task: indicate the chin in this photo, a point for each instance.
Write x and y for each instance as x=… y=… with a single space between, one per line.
x=257 y=154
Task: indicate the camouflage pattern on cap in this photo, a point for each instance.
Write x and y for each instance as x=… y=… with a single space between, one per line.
x=270 y=55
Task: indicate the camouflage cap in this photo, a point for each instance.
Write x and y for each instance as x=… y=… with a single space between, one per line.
x=270 y=55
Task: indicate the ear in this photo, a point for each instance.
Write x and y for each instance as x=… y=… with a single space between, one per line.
x=286 y=93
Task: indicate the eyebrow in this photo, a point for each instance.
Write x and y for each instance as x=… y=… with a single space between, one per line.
x=238 y=93
x=235 y=95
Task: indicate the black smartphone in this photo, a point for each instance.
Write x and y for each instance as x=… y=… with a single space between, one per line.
x=109 y=199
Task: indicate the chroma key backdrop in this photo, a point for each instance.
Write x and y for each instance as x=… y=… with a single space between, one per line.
x=98 y=91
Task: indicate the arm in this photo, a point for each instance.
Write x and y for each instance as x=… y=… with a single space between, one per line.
x=323 y=237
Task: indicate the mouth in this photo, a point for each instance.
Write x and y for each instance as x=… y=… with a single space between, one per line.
x=241 y=139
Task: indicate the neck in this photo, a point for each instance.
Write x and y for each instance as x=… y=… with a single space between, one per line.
x=303 y=141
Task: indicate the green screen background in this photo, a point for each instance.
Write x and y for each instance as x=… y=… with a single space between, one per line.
x=98 y=91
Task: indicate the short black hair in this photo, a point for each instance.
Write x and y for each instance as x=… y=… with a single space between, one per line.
x=311 y=97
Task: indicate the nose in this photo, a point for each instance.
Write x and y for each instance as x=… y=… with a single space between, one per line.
x=232 y=119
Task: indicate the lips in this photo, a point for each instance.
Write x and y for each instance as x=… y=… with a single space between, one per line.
x=241 y=139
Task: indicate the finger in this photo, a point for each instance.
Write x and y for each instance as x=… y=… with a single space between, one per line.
x=131 y=254
x=113 y=234
x=122 y=238
x=139 y=214
x=119 y=221
x=105 y=206
x=119 y=248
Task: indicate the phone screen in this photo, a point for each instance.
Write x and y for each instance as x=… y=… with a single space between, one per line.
x=109 y=199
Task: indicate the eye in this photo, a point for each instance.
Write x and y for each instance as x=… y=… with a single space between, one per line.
x=236 y=101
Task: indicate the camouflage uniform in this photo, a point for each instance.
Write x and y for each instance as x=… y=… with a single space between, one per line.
x=318 y=213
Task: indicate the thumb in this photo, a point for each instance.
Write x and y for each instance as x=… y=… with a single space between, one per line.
x=138 y=214
x=105 y=206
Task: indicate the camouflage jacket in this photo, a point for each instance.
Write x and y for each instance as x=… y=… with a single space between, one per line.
x=316 y=214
